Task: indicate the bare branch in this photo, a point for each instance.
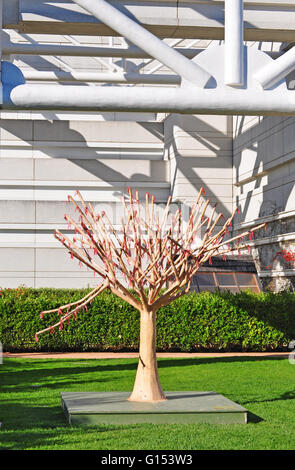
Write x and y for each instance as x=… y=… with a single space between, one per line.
x=149 y=255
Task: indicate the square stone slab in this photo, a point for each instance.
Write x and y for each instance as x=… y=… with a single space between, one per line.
x=93 y=408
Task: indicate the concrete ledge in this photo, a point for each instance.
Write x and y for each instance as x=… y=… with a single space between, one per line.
x=96 y=408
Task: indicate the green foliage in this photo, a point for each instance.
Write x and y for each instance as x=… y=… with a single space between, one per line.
x=217 y=321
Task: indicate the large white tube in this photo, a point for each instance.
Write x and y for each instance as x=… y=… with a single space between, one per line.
x=190 y=100
x=132 y=52
x=233 y=39
x=142 y=38
x=273 y=72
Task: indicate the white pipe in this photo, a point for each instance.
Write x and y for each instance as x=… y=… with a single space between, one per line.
x=233 y=38
x=132 y=52
x=189 y=100
x=145 y=40
x=273 y=72
x=97 y=77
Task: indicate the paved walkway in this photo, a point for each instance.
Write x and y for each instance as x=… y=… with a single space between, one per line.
x=127 y=355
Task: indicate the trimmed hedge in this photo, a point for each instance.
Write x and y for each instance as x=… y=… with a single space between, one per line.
x=207 y=321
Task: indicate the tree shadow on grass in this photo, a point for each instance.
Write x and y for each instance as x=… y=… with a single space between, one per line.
x=57 y=377
x=24 y=374
x=61 y=436
x=45 y=426
x=252 y=418
x=180 y=362
x=285 y=396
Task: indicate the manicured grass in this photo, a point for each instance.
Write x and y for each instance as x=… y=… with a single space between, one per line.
x=33 y=419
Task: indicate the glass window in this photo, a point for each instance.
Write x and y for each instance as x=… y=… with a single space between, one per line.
x=234 y=282
x=225 y=279
x=246 y=279
x=205 y=279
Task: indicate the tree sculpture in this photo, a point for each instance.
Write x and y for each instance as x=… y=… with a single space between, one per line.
x=149 y=264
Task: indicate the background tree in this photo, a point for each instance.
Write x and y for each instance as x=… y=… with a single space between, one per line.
x=149 y=263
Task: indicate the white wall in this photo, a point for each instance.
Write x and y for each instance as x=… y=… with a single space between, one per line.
x=43 y=161
x=264 y=176
x=200 y=152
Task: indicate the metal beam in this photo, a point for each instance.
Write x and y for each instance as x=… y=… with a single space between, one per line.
x=132 y=52
x=233 y=43
x=264 y=20
x=101 y=77
x=272 y=73
x=131 y=30
x=190 y=100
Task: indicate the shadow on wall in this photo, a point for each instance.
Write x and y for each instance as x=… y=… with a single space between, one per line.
x=209 y=154
x=263 y=167
x=264 y=175
x=93 y=164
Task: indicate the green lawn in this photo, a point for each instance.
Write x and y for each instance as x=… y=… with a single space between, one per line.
x=33 y=419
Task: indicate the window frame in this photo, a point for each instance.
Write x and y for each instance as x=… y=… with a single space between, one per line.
x=255 y=287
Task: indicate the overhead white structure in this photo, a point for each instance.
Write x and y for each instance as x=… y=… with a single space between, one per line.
x=218 y=80
x=145 y=40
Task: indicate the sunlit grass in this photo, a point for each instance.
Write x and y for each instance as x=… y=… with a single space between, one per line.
x=32 y=417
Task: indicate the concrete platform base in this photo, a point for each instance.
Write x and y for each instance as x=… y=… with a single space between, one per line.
x=181 y=407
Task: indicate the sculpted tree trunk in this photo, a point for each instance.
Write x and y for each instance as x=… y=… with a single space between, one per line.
x=149 y=254
x=147 y=385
